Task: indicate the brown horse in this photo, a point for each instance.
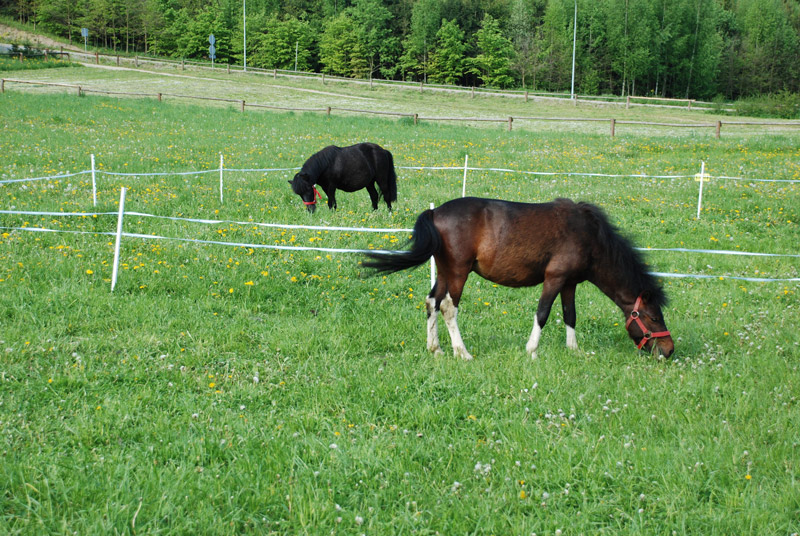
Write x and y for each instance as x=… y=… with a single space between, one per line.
x=559 y=244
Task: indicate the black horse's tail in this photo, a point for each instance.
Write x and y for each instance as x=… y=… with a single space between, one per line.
x=426 y=242
x=391 y=190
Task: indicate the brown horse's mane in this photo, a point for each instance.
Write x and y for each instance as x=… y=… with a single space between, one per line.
x=622 y=257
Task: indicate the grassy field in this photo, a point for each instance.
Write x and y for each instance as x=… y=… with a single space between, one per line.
x=237 y=390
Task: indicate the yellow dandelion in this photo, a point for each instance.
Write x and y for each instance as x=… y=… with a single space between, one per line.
x=89 y=272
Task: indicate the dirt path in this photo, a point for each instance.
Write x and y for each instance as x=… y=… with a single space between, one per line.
x=12 y=35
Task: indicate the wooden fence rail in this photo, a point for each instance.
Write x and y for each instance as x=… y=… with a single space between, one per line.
x=242 y=104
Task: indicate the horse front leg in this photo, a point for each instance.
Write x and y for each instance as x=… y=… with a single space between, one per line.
x=568 y=308
x=550 y=290
x=331 y=198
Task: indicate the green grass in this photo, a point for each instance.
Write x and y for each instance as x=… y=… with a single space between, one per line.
x=138 y=411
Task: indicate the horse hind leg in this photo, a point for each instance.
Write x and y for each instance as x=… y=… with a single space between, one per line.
x=433 y=328
x=450 y=313
x=373 y=196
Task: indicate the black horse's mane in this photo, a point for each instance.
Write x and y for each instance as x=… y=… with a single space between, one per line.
x=319 y=161
x=627 y=262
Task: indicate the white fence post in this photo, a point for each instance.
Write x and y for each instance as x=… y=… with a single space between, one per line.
x=119 y=237
x=464 y=182
x=700 y=195
x=221 y=165
x=433 y=266
x=94 y=185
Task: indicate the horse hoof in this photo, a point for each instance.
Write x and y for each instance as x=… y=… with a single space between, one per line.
x=463 y=354
x=534 y=355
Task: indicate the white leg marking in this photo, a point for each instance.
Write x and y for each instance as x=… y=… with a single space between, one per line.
x=433 y=329
x=533 y=342
x=572 y=340
x=450 y=312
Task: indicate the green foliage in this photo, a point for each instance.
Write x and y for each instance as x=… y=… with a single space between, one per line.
x=668 y=48
x=492 y=64
x=281 y=43
x=14 y=64
x=448 y=59
x=783 y=105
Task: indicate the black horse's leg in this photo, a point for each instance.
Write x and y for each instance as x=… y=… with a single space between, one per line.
x=373 y=195
x=331 y=198
x=550 y=289
x=568 y=308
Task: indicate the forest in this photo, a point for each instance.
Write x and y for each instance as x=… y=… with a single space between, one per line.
x=698 y=49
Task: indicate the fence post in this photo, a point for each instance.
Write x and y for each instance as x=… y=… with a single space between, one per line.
x=526 y=95
x=274 y=74
x=433 y=266
x=464 y=182
x=416 y=118
x=221 y=165
x=510 y=121
x=242 y=105
x=183 y=64
x=700 y=195
x=94 y=185
x=137 y=61
x=627 y=102
x=323 y=79
x=79 y=91
x=473 y=92
x=420 y=86
x=3 y=85
x=159 y=97
x=719 y=127
x=117 y=60
x=613 y=126
x=328 y=111
x=97 y=58
x=229 y=68
x=120 y=214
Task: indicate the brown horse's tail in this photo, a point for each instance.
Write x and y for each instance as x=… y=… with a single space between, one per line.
x=426 y=242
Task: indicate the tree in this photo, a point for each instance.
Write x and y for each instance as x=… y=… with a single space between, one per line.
x=338 y=45
x=425 y=22
x=447 y=59
x=492 y=65
x=370 y=19
x=280 y=43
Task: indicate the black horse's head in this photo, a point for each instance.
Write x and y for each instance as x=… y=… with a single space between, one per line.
x=303 y=186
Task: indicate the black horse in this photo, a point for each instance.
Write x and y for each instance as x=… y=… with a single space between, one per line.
x=351 y=168
x=559 y=244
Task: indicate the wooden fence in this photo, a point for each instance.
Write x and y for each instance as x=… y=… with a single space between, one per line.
x=509 y=121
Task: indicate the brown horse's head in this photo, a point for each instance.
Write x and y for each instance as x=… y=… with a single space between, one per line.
x=646 y=327
x=303 y=186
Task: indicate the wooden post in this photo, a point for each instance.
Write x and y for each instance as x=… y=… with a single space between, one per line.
x=510 y=122
x=473 y=92
x=627 y=102
x=79 y=91
x=183 y=64
x=3 y=85
x=719 y=127
x=117 y=60
x=97 y=58
x=323 y=79
x=274 y=74
x=420 y=86
x=613 y=127
x=328 y=111
x=416 y=118
x=526 y=95
x=370 y=82
x=690 y=104
x=137 y=62
x=159 y=97
x=242 y=105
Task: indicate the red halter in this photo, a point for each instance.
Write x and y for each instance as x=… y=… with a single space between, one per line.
x=647 y=334
x=313 y=200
